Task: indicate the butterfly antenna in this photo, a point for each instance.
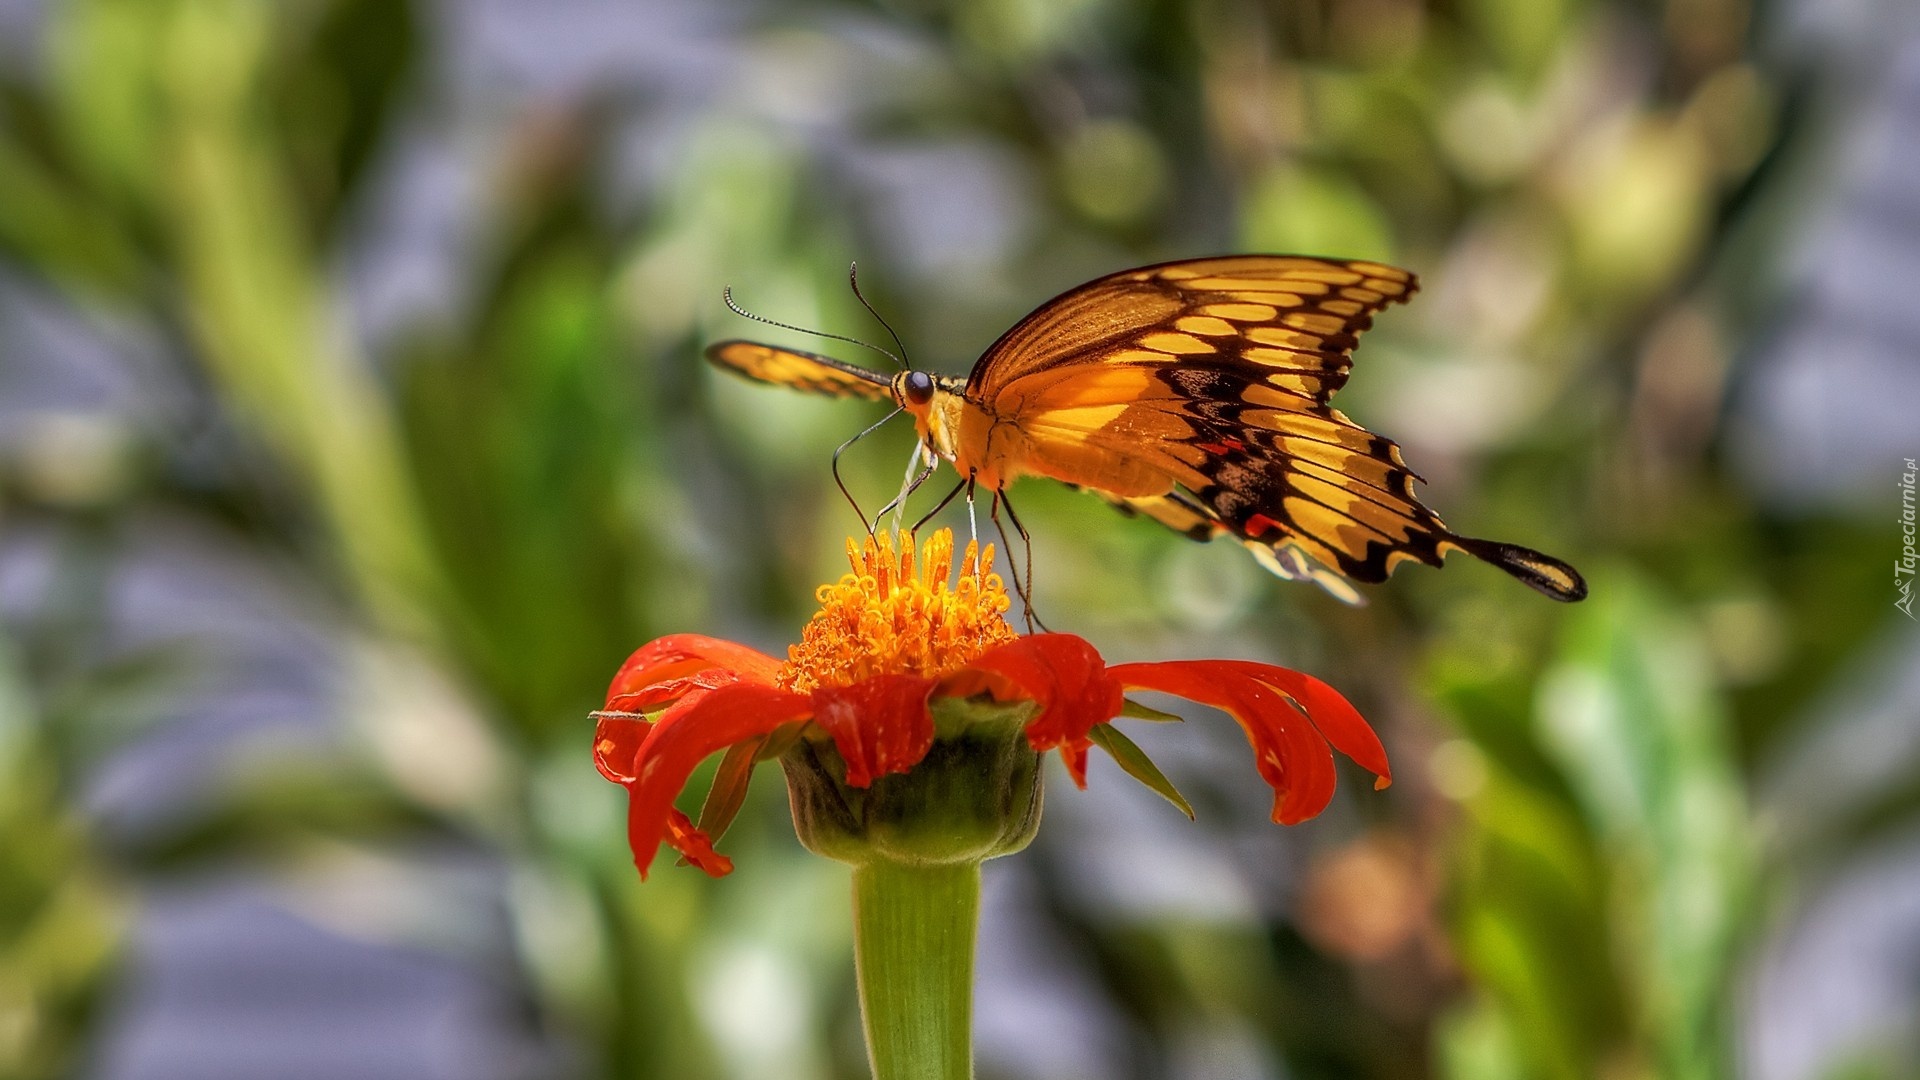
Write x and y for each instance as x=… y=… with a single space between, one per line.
x=726 y=294
x=842 y=484
x=853 y=279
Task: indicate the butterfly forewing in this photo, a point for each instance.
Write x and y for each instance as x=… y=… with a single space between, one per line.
x=799 y=370
x=1289 y=321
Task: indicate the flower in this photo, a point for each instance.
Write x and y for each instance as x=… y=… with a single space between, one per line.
x=890 y=640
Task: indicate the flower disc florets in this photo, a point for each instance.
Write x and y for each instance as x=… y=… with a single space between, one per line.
x=892 y=617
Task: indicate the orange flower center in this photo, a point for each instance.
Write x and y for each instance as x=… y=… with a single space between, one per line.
x=890 y=617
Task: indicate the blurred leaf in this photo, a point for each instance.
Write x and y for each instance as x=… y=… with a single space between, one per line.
x=1530 y=924
x=337 y=94
x=63 y=917
x=1639 y=206
x=1639 y=728
x=1113 y=171
x=49 y=224
x=106 y=58
x=1315 y=212
x=1475 y=1042
x=519 y=440
x=269 y=815
x=1522 y=34
x=255 y=295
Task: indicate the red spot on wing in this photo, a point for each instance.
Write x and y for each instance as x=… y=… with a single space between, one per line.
x=1261 y=525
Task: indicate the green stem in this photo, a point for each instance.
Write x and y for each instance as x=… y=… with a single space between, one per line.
x=913 y=947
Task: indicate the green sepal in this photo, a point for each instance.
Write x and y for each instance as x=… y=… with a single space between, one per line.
x=780 y=740
x=976 y=794
x=729 y=790
x=954 y=717
x=1135 y=763
x=1133 y=710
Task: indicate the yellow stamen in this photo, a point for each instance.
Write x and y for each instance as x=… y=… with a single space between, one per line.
x=891 y=617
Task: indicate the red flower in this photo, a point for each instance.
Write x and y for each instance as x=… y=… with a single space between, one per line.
x=888 y=640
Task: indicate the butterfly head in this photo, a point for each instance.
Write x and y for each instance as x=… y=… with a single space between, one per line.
x=935 y=403
x=914 y=390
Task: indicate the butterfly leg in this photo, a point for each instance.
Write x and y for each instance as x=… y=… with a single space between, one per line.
x=1024 y=589
x=973 y=523
x=1019 y=589
x=841 y=484
x=957 y=489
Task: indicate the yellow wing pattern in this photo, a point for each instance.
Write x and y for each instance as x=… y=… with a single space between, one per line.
x=1291 y=321
x=799 y=370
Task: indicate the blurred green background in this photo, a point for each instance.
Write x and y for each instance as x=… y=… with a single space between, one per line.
x=352 y=430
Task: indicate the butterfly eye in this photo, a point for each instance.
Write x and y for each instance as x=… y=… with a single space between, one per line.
x=919 y=387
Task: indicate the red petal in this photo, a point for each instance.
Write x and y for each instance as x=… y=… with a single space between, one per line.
x=1291 y=754
x=677 y=656
x=967 y=682
x=616 y=746
x=686 y=838
x=1076 y=758
x=1066 y=675
x=880 y=725
x=1331 y=713
x=654 y=695
x=684 y=735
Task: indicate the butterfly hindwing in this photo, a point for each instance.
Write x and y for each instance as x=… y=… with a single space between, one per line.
x=1177 y=510
x=799 y=370
x=1363 y=530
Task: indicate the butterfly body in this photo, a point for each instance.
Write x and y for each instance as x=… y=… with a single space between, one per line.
x=1195 y=393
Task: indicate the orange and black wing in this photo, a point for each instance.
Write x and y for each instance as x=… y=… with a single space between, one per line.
x=1217 y=373
x=799 y=370
x=1290 y=320
x=1307 y=488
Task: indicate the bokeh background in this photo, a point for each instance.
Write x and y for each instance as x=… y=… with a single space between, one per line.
x=352 y=430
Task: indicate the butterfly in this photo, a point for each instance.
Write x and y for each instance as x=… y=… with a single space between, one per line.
x=1197 y=394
